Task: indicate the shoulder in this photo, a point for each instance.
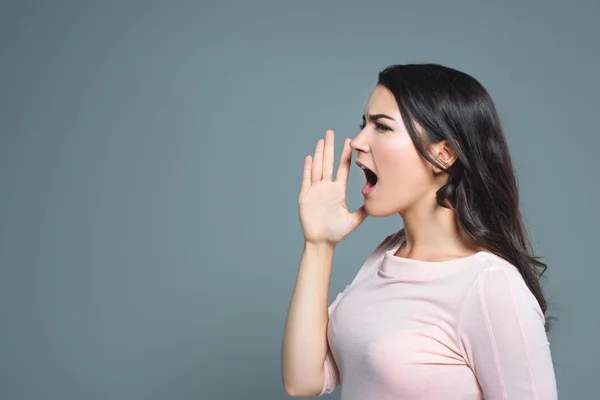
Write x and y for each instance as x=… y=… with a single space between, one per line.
x=391 y=240
x=498 y=286
x=371 y=262
x=485 y=265
x=495 y=267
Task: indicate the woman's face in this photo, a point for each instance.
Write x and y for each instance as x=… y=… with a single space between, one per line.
x=386 y=148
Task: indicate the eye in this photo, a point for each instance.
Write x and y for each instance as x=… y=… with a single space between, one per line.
x=382 y=127
x=378 y=126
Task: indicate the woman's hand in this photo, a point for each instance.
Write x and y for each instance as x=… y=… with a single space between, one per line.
x=324 y=215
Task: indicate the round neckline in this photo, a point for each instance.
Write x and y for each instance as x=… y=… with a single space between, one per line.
x=409 y=269
x=432 y=263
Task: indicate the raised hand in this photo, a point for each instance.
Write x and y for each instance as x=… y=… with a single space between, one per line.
x=324 y=215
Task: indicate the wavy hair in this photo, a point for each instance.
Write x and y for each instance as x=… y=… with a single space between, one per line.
x=481 y=187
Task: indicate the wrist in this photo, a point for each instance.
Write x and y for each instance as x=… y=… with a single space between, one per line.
x=319 y=246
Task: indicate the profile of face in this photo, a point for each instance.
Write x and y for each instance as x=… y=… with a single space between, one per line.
x=404 y=176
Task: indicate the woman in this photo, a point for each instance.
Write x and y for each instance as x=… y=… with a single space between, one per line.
x=450 y=306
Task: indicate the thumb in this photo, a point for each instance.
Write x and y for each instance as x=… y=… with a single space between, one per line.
x=359 y=216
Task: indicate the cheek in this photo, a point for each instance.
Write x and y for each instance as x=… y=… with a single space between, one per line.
x=402 y=165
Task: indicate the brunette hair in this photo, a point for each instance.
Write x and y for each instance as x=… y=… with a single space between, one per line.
x=481 y=188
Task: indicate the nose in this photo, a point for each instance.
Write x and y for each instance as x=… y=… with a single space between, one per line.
x=358 y=143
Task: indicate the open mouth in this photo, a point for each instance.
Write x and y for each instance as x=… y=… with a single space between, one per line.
x=371 y=177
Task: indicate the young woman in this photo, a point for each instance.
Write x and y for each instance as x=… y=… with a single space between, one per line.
x=448 y=307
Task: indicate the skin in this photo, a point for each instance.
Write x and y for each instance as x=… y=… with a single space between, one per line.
x=407 y=183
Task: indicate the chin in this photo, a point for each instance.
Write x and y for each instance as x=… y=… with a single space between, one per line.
x=377 y=212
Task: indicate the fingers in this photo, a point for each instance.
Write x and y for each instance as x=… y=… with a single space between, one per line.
x=328 y=155
x=344 y=167
x=306 y=175
x=317 y=165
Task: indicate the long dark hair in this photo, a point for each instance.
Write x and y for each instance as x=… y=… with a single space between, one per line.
x=481 y=188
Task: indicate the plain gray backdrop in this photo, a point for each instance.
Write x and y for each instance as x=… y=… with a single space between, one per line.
x=151 y=158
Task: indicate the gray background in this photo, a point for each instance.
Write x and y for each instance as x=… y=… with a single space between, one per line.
x=151 y=157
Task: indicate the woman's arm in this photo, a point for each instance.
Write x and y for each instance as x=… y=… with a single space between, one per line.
x=503 y=339
x=305 y=338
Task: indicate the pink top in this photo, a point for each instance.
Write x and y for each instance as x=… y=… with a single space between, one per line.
x=464 y=329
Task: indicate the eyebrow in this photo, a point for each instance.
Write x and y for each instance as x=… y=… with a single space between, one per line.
x=375 y=117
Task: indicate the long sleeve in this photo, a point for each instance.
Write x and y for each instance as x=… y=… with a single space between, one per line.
x=502 y=337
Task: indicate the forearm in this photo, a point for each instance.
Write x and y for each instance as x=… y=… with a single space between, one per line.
x=305 y=336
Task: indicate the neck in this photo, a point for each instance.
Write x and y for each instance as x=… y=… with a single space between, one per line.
x=433 y=232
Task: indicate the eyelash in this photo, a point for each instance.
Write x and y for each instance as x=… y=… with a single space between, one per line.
x=377 y=125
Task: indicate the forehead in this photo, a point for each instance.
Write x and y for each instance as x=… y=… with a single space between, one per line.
x=382 y=101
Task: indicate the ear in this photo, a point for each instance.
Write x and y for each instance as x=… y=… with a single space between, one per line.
x=444 y=154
